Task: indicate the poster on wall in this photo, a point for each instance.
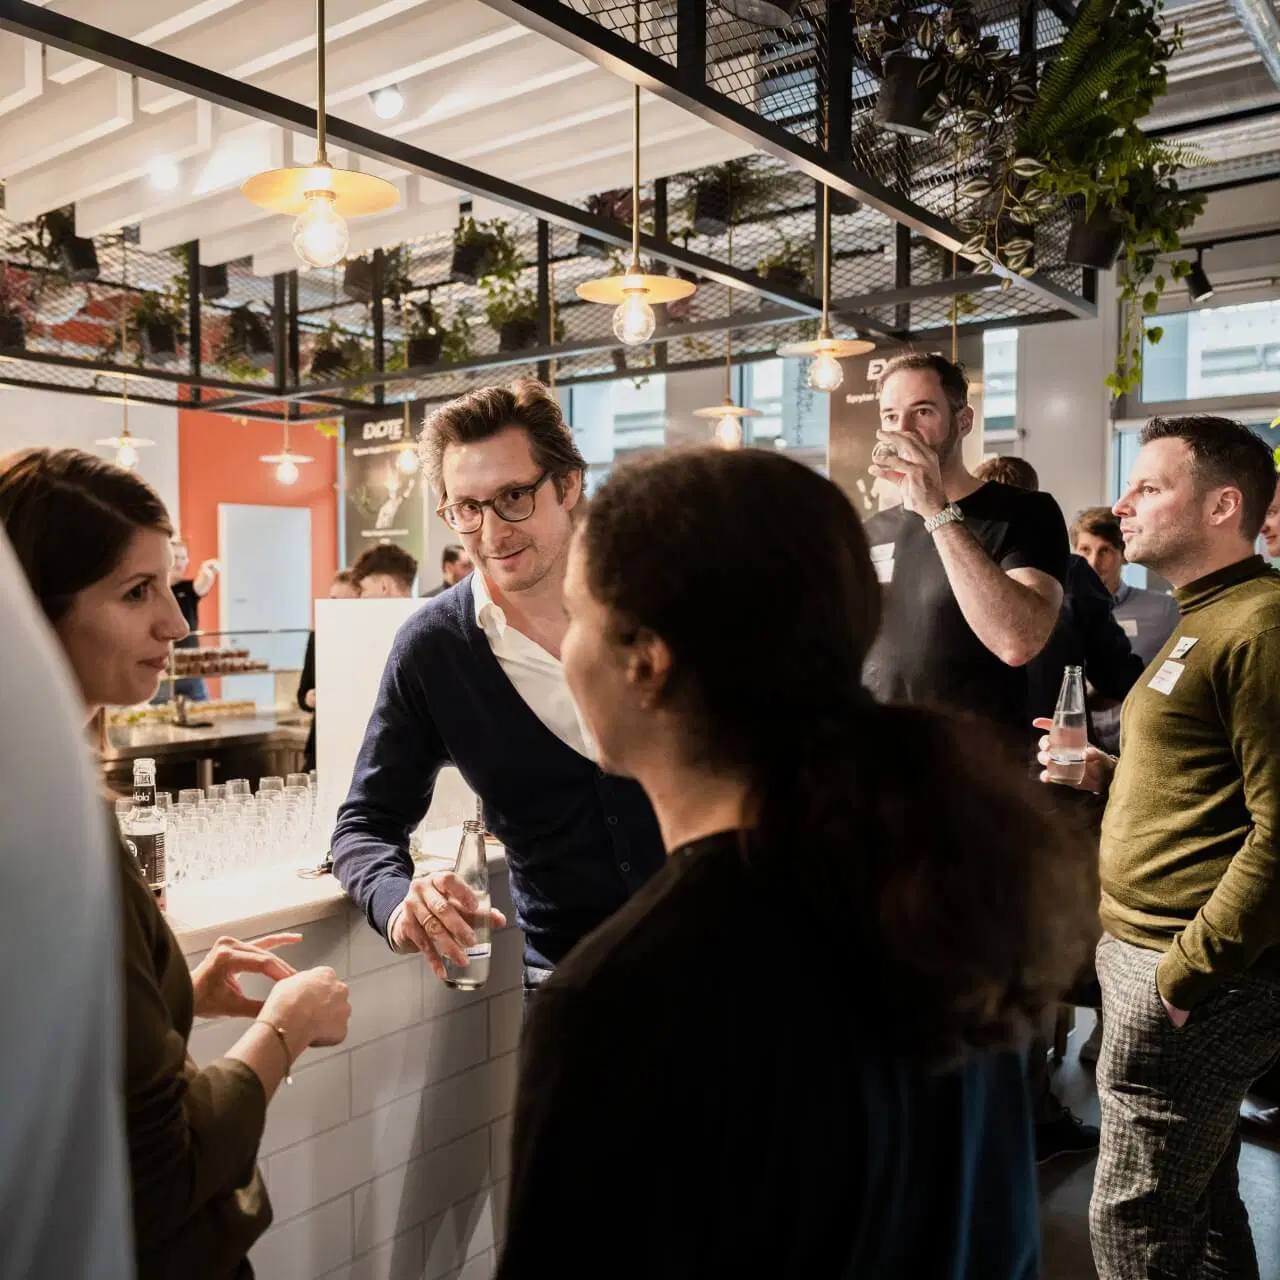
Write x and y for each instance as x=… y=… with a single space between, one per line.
x=384 y=500
x=855 y=419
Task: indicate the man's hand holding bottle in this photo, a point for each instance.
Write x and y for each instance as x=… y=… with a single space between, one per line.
x=1099 y=768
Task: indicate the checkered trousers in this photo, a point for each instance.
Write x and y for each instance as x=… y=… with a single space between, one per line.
x=1166 y=1200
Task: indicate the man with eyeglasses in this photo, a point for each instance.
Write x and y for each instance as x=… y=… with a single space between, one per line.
x=474 y=680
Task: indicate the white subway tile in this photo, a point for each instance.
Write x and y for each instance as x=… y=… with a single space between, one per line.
x=500 y=1150
x=440 y=1000
x=390 y=1205
x=480 y=1267
x=506 y=970
x=306 y=1247
x=500 y=893
x=506 y=1071
x=463 y=1103
x=501 y=1190
x=210 y=1040
x=406 y=1062
x=318 y=1099
x=381 y=1003
x=457 y=1172
x=442 y=1250
x=506 y=1017
x=368 y=949
x=475 y=1223
x=398 y=1259
x=315 y=1171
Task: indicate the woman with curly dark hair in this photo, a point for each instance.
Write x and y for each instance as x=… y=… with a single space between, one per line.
x=794 y=1053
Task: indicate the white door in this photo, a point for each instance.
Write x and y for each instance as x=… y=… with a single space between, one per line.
x=265 y=586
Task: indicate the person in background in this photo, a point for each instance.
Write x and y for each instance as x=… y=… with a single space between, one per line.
x=343 y=587
x=1147 y=617
x=1271 y=525
x=64 y=1204
x=852 y=1105
x=972 y=573
x=475 y=680
x=188 y=592
x=384 y=571
x=456 y=565
x=1190 y=960
x=193 y=1134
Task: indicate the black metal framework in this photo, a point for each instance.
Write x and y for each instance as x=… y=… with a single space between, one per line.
x=916 y=293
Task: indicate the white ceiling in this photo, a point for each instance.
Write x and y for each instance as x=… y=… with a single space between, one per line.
x=478 y=88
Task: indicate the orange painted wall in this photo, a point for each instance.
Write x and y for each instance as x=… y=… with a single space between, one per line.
x=218 y=461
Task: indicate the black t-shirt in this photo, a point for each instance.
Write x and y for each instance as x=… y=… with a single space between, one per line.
x=926 y=652
x=695 y=1104
x=184 y=593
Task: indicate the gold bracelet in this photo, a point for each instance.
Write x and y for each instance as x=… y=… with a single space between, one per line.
x=284 y=1044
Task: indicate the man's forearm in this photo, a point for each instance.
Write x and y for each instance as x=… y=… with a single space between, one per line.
x=1012 y=620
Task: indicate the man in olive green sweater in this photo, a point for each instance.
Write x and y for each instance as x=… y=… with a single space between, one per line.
x=1190 y=865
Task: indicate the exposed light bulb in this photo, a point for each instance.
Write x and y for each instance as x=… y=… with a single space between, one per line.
x=126 y=456
x=320 y=232
x=164 y=174
x=729 y=432
x=825 y=373
x=287 y=471
x=633 y=320
x=408 y=462
x=388 y=102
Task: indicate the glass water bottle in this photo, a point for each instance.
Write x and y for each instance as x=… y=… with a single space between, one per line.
x=1069 y=736
x=472 y=868
x=143 y=829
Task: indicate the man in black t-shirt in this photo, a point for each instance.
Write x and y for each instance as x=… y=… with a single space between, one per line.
x=188 y=592
x=972 y=572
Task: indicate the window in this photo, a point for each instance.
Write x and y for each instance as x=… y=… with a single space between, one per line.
x=1000 y=385
x=613 y=419
x=792 y=415
x=1214 y=352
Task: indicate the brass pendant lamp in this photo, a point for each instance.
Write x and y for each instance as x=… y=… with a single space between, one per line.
x=728 y=415
x=321 y=196
x=286 y=461
x=825 y=351
x=126 y=444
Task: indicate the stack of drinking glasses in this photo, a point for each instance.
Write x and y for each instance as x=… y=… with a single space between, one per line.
x=230 y=830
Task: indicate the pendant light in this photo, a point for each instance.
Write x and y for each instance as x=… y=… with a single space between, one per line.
x=634 y=294
x=126 y=444
x=825 y=352
x=728 y=415
x=286 y=461
x=320 y=196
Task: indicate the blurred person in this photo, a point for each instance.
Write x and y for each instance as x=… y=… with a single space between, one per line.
x=1190 y=960
x=475 y=680
x=64 y=1203
x=93 y=541
x=852 y=1105
x=983 y=563
x=456 y=565
x=384 y=571
x=1271 y=525
x=343 y=587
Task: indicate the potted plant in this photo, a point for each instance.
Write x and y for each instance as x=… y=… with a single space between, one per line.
x=790 y=266
x=424 y=339
x=328 y=358
x=158 y=317
x=729 y=193
x=513 y=311
x=75 y=255
x=357 y=279
x=247 y=339
x=607 y=204
x=213 y=282
x=457 y=340
x=13 y=336
x=482 y=249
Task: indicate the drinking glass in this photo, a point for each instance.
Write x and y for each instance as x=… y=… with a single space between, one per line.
x=238 y=787
x=299 y=780
x=218 y=791
x=192 y=796
x=164 y=801
x=123 y=805
x=266 y=785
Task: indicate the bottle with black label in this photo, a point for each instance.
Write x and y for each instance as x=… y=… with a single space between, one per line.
x=143 y=829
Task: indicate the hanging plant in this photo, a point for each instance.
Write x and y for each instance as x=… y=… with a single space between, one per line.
x=483 y=249
x=731 y=193
x=790 y=266
x=158 y=318
x=246 y=343
x=425 y=337
x=13 y=335
x=512 y=310
x=338 y=354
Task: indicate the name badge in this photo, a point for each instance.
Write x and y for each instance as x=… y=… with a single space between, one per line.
x=1168 y=675
x=1130 y=627
x=882 y=561
x=1184 y=646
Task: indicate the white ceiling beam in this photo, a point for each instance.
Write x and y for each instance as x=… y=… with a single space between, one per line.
x=233 y=157
x=126 y=157
x=146 y=21
x=21 y=72
x=244 y=43
x=63 y=119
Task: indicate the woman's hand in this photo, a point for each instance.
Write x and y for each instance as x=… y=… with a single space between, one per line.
x=218 y=992
x=311 y=1008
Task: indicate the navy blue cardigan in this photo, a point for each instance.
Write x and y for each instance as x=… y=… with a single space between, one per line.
x=579 y=842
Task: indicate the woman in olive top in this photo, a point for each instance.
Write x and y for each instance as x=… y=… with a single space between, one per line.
x=790 y=1055
x=93 y=541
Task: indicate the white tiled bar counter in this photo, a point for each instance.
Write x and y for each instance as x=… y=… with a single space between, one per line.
x=386 y=1158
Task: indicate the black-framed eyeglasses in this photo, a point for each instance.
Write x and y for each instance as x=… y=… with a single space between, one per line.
x=512 y=505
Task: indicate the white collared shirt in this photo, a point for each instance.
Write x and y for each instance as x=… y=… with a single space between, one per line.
x=538 y=676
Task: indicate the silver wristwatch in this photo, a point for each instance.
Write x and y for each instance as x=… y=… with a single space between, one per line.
x=950 y=514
